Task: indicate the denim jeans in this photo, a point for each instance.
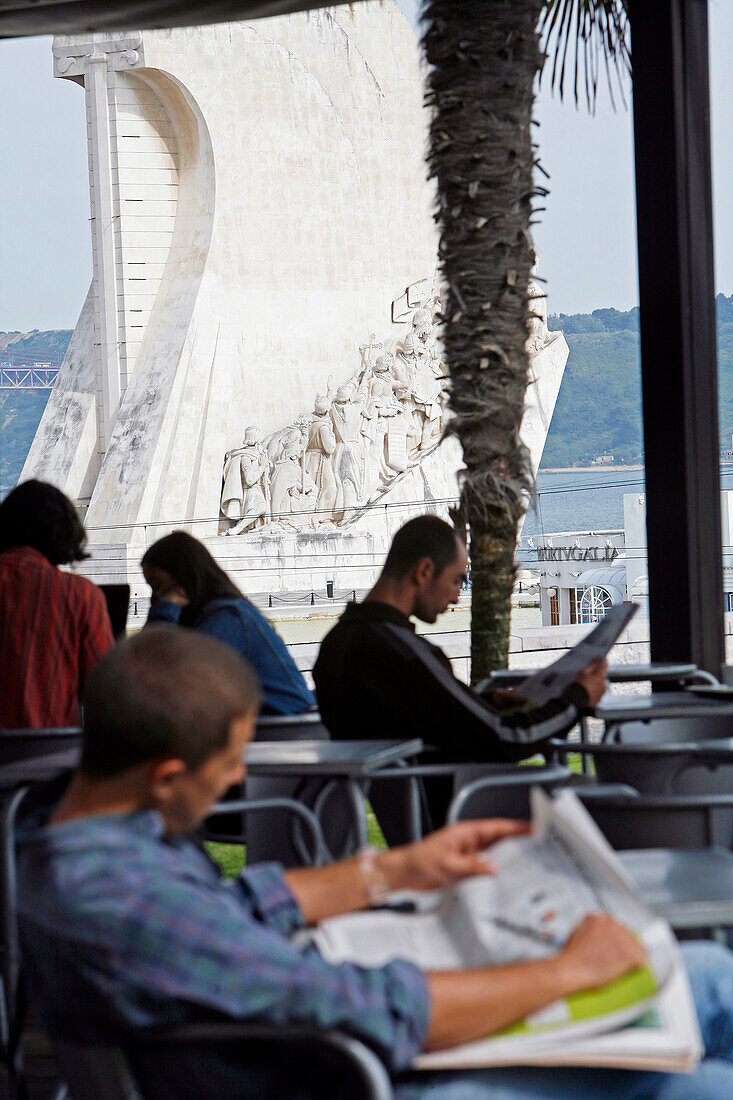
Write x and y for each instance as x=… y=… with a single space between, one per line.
x=711 y=976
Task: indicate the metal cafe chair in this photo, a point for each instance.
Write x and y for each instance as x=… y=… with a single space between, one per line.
x=509 y=786
x=505 y=794
x=630 y=820
x=308 y=726
x=230 y=828
x=670 y=845
x=663 y=767
x=314 y=854
x=166 y=1065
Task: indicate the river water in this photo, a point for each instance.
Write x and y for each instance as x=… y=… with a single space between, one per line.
x=581 y=500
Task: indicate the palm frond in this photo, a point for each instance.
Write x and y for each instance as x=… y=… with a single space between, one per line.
x=600 y=30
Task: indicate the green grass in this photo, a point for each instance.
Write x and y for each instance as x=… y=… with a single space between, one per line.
x=230 y=857
x=374 y=833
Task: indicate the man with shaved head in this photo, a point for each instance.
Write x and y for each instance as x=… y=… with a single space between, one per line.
x=376 y=677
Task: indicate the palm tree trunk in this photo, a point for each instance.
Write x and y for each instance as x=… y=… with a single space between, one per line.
x=484 y=58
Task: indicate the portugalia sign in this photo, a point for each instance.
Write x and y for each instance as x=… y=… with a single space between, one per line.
x=577 y=553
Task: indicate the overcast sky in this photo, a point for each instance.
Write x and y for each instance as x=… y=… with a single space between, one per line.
x=586 y=240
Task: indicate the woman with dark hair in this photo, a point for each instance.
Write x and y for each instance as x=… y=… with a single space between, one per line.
x=54 y=626
x=190 y=588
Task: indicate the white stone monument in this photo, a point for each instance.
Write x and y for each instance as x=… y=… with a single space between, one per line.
x=260 y=206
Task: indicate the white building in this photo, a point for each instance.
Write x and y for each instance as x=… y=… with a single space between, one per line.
x=582 y=574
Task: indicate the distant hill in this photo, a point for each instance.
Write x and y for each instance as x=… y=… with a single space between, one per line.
x=21 y=410
x=20 y=415
x=46 y=346
x=598 y=409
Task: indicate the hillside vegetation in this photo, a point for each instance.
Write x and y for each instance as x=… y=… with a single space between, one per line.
x=21 y=410
x=598 y=409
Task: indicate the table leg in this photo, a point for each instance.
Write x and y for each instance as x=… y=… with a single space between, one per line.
x=586 y=761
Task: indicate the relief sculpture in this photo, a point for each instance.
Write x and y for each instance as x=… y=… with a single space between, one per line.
x=364 y=434
x=361 y=436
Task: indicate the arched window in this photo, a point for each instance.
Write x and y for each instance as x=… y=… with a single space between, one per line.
x=594 y=603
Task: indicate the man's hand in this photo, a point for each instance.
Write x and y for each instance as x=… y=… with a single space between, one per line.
x=452 y=853
x=593 y=679
x=598 y=951
x=469 y=1004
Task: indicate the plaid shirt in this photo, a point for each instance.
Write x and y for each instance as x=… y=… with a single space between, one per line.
x=54 y=627
x=123 y=928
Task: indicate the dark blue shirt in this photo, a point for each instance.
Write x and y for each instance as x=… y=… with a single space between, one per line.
x=240 y=625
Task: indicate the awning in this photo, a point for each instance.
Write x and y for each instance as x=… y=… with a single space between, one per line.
x=603 y=578
x=23 y=17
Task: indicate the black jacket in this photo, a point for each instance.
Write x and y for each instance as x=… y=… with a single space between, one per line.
x=376 y=678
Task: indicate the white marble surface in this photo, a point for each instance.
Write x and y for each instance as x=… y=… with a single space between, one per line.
x=270 y=178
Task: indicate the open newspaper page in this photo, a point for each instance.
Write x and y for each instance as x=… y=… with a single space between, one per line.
x=548 y=683
x=545 y=884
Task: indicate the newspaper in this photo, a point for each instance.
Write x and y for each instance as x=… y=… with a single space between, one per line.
x=552 y=681
x=544 y=885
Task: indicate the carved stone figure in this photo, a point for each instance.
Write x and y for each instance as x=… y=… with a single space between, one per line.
x=275 y=444
x=246 y=491
x=293 y=489
x=351 y=455
x=538 y=335
x=387 y=427
x=538 y=330
x=364 y=434
x=319 y=461
x=422 y=361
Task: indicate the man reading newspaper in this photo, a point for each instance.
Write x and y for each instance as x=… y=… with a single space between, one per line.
x=377 y=677
x=126 y=924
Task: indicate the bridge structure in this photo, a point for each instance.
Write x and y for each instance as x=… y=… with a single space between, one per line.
x=34 y=376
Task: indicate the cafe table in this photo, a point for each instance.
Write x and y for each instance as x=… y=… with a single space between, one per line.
x=343 y=764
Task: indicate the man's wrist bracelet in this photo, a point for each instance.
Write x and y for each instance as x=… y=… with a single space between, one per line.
x=375 y=881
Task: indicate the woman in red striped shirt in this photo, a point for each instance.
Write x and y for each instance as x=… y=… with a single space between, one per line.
x=54 y=626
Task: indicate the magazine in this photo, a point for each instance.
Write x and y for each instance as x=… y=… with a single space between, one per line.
x=544 y=885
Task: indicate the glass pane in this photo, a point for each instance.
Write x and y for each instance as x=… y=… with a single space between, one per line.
x=585 y=534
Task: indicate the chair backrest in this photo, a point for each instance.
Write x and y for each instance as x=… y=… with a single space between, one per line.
x=505 y=793
x=313 y=850
x=631 y=821
x=662 y=773
x=270 y=838
x=656 y=776
x=171 y=1066
x=11 y=1008
x=308 y=726
x=673 y=729
x=23 y=744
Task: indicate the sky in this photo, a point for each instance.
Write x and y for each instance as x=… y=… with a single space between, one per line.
x=585 y=241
